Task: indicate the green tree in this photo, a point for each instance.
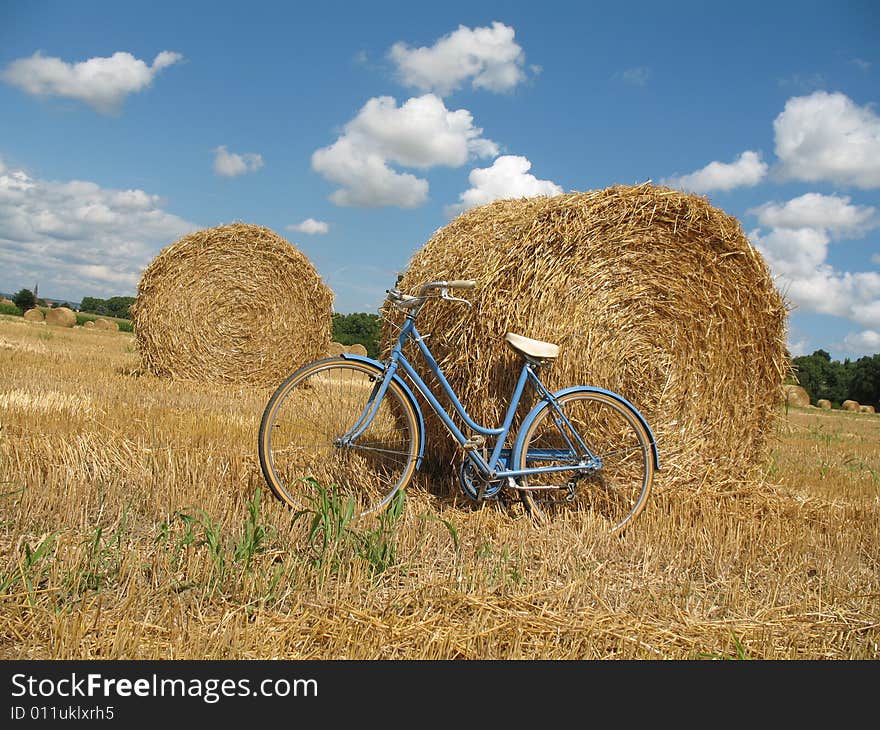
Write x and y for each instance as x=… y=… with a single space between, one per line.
x=93 y=305
x=865 y=382
x=25 y=300
x=823 y=377
x=119 y=306
x=358 y=328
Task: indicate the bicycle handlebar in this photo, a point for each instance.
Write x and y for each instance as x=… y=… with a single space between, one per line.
x=456 y=284
x=414 y=303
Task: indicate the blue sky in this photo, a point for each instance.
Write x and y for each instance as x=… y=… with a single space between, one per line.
x=355 y=130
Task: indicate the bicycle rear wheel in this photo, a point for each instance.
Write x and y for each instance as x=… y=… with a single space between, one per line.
x=612 y=489
x=305 y=430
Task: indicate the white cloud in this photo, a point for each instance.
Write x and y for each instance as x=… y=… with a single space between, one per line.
x=828 y=137
x=231 y=164
x=866 y=342
x=421 y=133
x=797 y=257
x=76 y=238
x=488 y=57
x=747 y=170
x=508 y=177
x=102 y=83
x=310 y=226
x=637 y=76
x=814 y=210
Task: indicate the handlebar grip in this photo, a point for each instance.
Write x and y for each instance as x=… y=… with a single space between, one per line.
x=461 y=284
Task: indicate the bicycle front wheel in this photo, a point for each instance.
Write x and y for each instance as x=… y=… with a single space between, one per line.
x=610 y=480
x=306 y=436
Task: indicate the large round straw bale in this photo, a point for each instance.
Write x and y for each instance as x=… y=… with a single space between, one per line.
x=649 y=292
x=236 y=303
x=60 y=317
x=102 y=323
x=335 y=349
x=34 y=315
x=850 y=405
x=866 y=409
x=824 y=403
x=795 y=395
x=356 y=349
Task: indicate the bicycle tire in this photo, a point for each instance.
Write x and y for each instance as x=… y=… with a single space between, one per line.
x=616 y=493
x=299 y=439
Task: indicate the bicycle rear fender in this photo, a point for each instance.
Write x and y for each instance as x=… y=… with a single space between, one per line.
x=409 y=394
x=518 y=444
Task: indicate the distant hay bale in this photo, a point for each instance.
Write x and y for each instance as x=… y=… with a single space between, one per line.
x=823 y=403
x=356 y=349
x=109 y=325
x=236 y=303
x=35 y=315
x=795 y=395
x=60 y=317
x=4 y=300
x=335 y=349
x=649 y=292
x=866 y=409
x=850 y=405
x=89 y=324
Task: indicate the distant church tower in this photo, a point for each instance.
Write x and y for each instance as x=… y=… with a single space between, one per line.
x=36 y=290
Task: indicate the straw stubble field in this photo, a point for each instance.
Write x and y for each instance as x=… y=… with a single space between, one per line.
x=135 y=525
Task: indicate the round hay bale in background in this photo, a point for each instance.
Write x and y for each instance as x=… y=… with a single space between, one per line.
x=649 y=292
x=236 y=303
x=335 y=349
x=356 y=349
x=795 y=395
x=109 y=325
x=823 y=403
x=89 y=324
x=850 y=405
x=866 y=409
x=35 y=315
x=60 y=317
x=4 y=300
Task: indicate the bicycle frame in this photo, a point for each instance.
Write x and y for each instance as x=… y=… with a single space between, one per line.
x=490 y=465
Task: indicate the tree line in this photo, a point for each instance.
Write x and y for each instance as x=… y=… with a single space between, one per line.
x=836 y=381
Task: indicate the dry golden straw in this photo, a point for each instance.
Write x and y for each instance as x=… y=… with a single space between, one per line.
x=235 y=303
x=850 y=405
x=795 y=395
x=649 y=292
x=89 y=324
x=60 y=317
x=34 y=315
x=356 y=349
x=106 y=324
x=824 y=403
x=335 y=349
x=866 y=409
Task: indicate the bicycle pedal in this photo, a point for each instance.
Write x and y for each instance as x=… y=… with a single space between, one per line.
x=474 y=443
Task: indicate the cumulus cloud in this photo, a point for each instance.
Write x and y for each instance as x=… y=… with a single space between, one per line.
x=310 y=226
x=637 y=76
x=488 y=57
x=422 y=133
x=102 y=83
x=78 y=238
x=231 y=164
x=747 y=170
x=796 y=250
x=507 y=177
x=813 y=210
x=828 y=137
x=866 y=342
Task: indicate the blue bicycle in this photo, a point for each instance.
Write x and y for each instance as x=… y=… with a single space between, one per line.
x=354 y=423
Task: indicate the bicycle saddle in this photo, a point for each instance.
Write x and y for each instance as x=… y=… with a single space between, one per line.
x=529 y=348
